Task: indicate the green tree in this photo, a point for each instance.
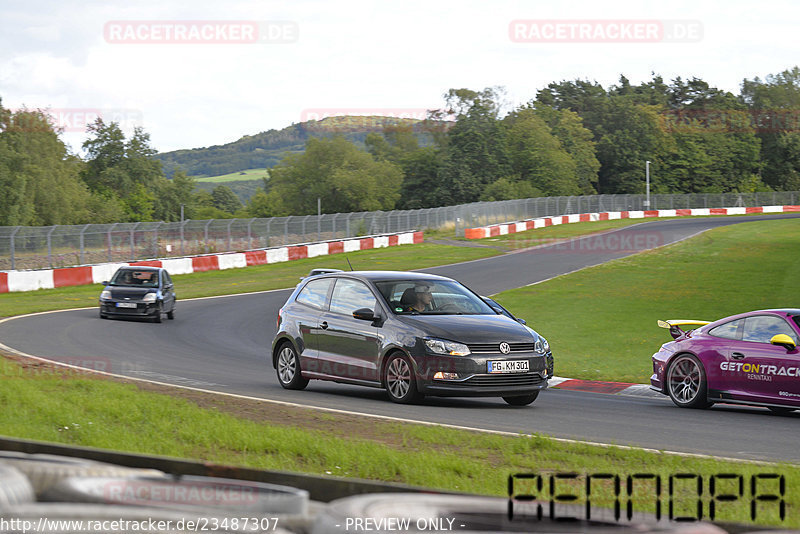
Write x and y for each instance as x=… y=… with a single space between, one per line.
x=39 y=179
x=537 y=157
x=224 y=199
x=336 y=171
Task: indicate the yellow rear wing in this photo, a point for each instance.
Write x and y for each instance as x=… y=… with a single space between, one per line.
x=674 y=326
x=681 y=322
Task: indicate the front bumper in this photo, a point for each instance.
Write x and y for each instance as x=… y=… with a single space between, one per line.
x=473 y=380
x=142 y=309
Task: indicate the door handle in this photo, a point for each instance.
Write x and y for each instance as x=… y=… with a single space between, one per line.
x=737 y=355
x=324 y=325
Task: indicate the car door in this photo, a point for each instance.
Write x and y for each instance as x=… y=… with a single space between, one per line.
x=167 y=291
x=349 y=347
x=308 y=306
x=763 y=370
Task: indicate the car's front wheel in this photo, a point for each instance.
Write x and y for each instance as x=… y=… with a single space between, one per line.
x=522 y=400
x=398 y=376
x=288 y=367
x=686 y=382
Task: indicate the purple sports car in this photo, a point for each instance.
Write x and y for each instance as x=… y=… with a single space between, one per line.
x=750 y=358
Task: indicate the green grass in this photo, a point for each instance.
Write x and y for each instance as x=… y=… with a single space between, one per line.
x=601 y=322
x=238 y=176
x=102 y=413
x=257 y=278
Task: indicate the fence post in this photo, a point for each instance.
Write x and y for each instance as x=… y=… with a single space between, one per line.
x=230 y=246
x=249 y=234
x=11 y=245
x=82 y=244
x=347 y=225
x=110 y=258
x=304 y=227
x=183 y=225
x=286 y=230
x=269 y=222
x=50 y=246
x=155 y=239
x=205 y=234
x=133 y=241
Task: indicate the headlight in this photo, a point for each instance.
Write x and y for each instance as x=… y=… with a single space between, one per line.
x=105 y=294
x=541 y=346
x=441 y=346
x=150 y=297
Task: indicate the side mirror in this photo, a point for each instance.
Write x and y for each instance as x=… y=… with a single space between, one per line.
x=783 y=340
x=521 y=321
x=104 y=282
x=365 y=314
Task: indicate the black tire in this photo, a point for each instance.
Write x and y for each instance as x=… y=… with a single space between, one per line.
x=171 y=313
x=103 y=315
x=399 y=380
x=522 y=400
x=287 y=365
x=686 y=382
x=157 y=317
x=781 y=409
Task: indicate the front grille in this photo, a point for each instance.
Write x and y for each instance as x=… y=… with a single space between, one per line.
x=502 y=380
x=494 y=348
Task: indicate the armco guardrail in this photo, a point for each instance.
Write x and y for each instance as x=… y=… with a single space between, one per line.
x=12 y=281
x=530 y=224
x=41 y=247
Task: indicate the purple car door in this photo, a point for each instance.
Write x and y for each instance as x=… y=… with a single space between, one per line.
x=760 y=371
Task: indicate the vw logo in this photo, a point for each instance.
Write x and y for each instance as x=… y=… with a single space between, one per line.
x=505 y=348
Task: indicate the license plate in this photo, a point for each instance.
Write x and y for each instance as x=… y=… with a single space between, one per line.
x=126 y=304
x=507 y=366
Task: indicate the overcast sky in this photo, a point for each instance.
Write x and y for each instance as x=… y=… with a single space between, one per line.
x=115 y=57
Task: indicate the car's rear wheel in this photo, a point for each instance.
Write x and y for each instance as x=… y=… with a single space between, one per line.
x=398 y=376
x=686 y=382
x=288 y=367
x=521 y=400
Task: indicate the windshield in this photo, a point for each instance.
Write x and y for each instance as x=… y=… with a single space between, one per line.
x=132 y=278
x=432 y=297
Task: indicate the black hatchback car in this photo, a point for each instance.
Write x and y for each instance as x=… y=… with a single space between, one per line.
x=138 y=292
x=413 y=334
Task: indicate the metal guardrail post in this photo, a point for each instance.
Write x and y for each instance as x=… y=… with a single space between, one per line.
x=50 y=246
x=205 y=235
x=249 y=233
x=12 y=248
x=133 y=241
x=111 y=229
x=82 y=260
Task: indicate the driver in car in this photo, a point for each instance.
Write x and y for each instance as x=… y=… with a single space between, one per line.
x=421 y=300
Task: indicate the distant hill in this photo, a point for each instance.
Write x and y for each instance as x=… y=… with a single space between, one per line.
x=266 y=149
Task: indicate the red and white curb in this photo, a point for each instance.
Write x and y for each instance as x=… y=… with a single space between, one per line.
x=596 y=386
x=12 y=281
x=542 y=222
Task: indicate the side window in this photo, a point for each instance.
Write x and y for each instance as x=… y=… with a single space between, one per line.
x=351 y=295
x=761 y=328
x=315 y=293
x=729 y=330
x=167 y=279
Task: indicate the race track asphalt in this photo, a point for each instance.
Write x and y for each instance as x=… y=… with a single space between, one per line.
x=222 y=344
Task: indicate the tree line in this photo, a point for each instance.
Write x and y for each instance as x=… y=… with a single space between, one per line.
x=573 y=138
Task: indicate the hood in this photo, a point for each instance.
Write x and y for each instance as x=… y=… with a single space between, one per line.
x=133 y=293
x=470 y=328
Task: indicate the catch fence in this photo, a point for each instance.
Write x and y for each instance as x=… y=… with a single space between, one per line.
x=37 y=247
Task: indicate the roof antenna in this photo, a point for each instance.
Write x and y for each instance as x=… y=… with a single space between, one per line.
x=348 y=263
